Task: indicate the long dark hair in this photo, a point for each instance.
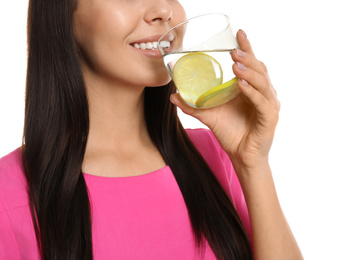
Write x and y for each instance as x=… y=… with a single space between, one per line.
x=55 y=136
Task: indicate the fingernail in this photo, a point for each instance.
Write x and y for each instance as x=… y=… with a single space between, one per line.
x=241 y=67
x=240 y=53
x=244 y=34
x=244 y=82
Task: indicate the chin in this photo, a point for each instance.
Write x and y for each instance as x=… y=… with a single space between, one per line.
x=160 y=81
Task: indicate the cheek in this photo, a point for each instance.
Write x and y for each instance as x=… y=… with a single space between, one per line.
x=100 y=34
x=179 y=14
x=87 y=29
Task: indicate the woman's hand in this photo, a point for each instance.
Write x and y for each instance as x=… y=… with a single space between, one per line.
x=244 y=126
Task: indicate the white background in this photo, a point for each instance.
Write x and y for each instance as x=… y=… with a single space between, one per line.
x=301 y=44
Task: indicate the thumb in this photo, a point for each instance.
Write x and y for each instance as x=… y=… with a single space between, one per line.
x=205 y=116
x=177 y=100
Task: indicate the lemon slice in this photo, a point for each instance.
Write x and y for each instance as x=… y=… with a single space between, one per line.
x=219 y=94
x=195 y=74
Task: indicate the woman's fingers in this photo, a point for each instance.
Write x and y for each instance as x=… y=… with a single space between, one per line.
x=267 y=111
x=253 y=71
x=249 y=61
x=244 y=43
x=258 y=81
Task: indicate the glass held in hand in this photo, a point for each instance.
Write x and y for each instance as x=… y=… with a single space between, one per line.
x=197 y=54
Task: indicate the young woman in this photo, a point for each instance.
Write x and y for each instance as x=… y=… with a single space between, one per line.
x=106 y=170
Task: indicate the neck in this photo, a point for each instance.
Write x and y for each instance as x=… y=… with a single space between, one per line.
x=118 y=143
x=116 y=116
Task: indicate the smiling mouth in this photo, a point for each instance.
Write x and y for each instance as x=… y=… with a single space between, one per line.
x=151 y=45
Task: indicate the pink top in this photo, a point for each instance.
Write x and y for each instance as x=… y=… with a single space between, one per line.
x=140 y=217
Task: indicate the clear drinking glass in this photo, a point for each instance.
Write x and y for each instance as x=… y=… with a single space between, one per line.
x=197 y=55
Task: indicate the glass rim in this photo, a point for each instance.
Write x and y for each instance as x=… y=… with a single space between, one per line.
x=188 y=20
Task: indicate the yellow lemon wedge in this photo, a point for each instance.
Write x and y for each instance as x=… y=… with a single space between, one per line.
x=195 y=74
x=218 y=95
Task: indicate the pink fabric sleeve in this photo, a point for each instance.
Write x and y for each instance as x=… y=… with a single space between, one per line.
x=8 y=245
x=221 y=165
x=232 y=185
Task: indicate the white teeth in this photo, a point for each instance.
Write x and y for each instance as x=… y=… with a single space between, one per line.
x=143 y=46
x=151 y=45
x=165 y=44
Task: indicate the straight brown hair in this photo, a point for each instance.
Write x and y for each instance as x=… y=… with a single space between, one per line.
x=55 y=137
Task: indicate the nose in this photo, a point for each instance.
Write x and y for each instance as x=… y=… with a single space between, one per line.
x=158 y=11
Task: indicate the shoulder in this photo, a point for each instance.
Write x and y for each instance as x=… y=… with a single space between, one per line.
x=204 y=141
x=220 y=163
x=13 y=184
x=209 y=148
x=200 y=134
x=11 y=161
x=17 y=236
